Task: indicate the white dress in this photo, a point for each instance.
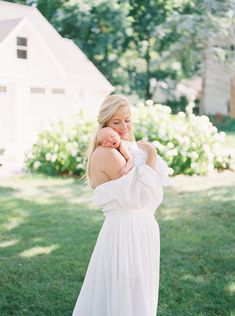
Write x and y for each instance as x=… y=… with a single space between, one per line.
x=122 y=277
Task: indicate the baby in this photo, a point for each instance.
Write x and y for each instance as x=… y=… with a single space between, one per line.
x=109 y=138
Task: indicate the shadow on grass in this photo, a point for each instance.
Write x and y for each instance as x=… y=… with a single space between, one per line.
x=46 y=244
x=49 y=232
x=197 y=258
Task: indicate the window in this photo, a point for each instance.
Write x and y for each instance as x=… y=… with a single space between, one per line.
x=3 y=89
x=21 y=41
x=22 y=44
x=58 y=91
x=39 y=90
x=21 y=53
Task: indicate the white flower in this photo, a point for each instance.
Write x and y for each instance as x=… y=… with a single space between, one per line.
x=219 y=159
x=48 y=156
x=36 y=164
x=194 y=165
x=172 y=153
x=216 y=146
x=56 y=148
x=211 y=157
x=206 y=148
x=73 y=153
x=186 y=140
x=64 y=139
x=44 y=141
x=149 y=102
x=214 y=129
x=222 y=135
x=158 y=145
x=181 y=115
x=205 y=118
x=170 y=145
x=53 y=157
x=194 y=155
x=167 y=109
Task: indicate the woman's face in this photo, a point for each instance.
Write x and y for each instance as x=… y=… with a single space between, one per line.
x=121 y=122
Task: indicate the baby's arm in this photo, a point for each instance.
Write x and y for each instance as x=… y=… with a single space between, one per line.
x=129 y=160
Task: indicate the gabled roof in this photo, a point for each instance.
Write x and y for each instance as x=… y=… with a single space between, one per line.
x=7 y=26
x=77 y=62
x=69 y=55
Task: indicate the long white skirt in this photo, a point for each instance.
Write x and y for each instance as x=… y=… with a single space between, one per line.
x=122 y=278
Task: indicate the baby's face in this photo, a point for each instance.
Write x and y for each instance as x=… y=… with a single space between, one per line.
x=110 y=139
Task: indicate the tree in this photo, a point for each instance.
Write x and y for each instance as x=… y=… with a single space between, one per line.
x=99 y=28
x=133 y=42
x=202 y=30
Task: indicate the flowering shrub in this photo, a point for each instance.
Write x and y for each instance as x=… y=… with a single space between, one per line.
x=190 y=144
x=60 y=149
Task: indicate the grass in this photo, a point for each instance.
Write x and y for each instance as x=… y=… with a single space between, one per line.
x=49 y=227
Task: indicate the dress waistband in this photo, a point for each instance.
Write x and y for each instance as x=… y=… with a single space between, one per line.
x=128 y=212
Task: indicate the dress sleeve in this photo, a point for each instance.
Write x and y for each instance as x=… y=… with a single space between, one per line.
x=139 y=187
x=162 y=169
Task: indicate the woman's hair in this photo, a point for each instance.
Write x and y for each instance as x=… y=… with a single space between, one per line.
x=108 y=108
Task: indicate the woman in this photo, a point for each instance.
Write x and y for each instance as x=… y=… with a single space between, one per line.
x=122 y=278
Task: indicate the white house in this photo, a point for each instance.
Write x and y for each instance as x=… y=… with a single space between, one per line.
x=43 y=76
x=218 y=92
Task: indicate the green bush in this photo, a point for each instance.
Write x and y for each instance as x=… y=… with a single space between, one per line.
x=189 y=144
x=60 y=149
x=223 y=122
x=177 y=105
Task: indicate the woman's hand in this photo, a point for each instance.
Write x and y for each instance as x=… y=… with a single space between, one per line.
x=151 y=153
x=149 y=148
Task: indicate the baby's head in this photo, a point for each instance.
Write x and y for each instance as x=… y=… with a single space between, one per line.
x=108 y=137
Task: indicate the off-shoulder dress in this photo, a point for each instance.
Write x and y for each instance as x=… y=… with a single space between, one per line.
x=122 y=277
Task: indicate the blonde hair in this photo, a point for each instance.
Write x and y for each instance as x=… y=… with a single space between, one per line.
x=108 y=108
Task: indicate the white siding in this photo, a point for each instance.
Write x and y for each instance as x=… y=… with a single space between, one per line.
x=7 y=115
x=39 y=65
x=217 y=89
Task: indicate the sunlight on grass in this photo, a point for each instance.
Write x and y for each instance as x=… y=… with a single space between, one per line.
x=8 y=243
x=231 y=288
x=13 y=223
x=171 y=214
x=198 y=183
x=49 y=227
x=37 y=239
x=37 y=251
x=195 y=278
x=43 y=193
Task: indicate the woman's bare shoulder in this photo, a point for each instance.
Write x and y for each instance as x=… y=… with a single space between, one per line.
x=108 y=161
x=104 y=154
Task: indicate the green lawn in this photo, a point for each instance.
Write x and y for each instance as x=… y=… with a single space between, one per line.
x=48 y=229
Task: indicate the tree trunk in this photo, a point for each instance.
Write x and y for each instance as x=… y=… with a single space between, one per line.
x=147 y=59
x=202 y=105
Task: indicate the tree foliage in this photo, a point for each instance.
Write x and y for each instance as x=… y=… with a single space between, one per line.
x=135 y=41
